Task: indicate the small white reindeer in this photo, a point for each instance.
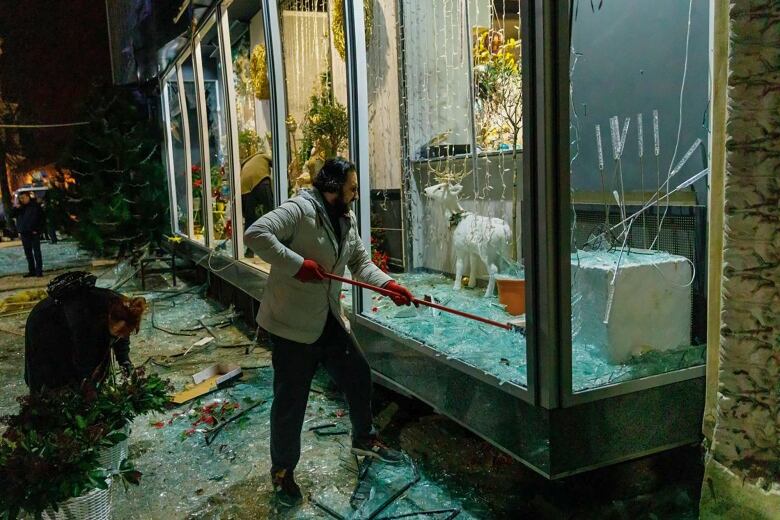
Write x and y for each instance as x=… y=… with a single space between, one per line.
x=475 y=239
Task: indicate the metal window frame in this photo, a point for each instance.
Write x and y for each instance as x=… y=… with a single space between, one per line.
x=168 y=143
x=231 y=126
x=275 y=63
x=357 y=111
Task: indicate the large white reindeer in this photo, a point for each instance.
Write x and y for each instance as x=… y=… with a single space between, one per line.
x=475 y=238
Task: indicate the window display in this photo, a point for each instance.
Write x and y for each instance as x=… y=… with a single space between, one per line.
x=316 y=86
x=445 y=188
x=216 y=146
x=252 y=112
x=190 y=105
x=639 y=190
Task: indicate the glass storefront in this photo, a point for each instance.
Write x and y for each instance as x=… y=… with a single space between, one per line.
x=448 y=197
x=196 y=180
x=177 y=157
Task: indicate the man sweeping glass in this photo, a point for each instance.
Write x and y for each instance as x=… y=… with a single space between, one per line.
x=309 y=235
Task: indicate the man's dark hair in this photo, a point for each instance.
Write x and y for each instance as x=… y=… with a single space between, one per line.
x=333 y=175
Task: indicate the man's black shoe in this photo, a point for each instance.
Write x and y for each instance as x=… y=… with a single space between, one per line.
x=378 y=450
x=287 y=492
x=28 y=275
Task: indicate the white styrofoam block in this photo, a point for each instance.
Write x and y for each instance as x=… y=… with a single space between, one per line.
x=651 y=308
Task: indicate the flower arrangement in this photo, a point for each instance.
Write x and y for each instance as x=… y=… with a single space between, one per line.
x=499 y=112
x=197 y=182
x=379 y=257
x=249 y=143
x=217 y=177
x=338 y=25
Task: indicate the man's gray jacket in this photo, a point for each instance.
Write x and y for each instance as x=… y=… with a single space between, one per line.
x=301 y=229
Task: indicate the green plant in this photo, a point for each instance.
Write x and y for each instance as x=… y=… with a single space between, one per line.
x=51 y=449
x=325 y=124
x=121 y=399
x=249 y=144
x=40 y=471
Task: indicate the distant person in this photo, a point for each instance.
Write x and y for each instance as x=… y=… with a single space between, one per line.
x=29 y=223
x=51 y=229
x=70 y=335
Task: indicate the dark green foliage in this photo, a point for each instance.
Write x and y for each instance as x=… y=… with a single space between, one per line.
x=51 y=449
x=119 y=201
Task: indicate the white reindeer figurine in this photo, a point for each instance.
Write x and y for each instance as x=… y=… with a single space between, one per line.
x=475 y=239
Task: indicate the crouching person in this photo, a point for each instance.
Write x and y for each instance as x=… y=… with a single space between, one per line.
x=70 y=335
x=313 y=233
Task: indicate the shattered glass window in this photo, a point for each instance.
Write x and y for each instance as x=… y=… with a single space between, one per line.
x=639 y=171
x=445 y=125
x=315 y=79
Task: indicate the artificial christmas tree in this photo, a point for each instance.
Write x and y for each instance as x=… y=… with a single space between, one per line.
x=119 y=201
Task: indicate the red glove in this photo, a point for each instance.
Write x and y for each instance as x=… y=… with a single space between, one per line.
x=402 y=295
x=309 y=272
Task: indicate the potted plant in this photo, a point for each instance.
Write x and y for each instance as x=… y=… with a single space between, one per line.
x=50 y=458
x=64 y=447
x=119 y=400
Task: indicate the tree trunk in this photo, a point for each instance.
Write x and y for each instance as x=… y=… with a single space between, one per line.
x=742 y=473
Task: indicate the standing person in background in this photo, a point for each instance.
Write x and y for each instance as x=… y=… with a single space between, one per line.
x=29 y=223
x=48 y=215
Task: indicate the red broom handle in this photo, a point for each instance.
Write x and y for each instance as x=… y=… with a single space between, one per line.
x=416 y=301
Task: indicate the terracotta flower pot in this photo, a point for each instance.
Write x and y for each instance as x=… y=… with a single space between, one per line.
x=511 y=294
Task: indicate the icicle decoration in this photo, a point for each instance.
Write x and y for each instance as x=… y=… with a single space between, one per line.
x=614 y=128
x=623 y=136
x=640 y=135
x=598 y=146
x=656 y=134
x=693 y=179
x=685 y=158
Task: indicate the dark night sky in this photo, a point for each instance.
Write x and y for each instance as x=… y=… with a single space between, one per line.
x=53 y=51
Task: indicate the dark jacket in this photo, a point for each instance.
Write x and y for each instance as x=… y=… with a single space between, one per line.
x=68 y=342
x=29 y=217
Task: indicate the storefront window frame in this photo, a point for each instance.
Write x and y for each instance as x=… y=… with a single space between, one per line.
x=552 y=34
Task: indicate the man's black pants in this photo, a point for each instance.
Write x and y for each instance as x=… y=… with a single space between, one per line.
x=294 y=367
x=32 y=250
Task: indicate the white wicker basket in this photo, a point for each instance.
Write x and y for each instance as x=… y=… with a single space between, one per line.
x=111 y=458
x=94 y=505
